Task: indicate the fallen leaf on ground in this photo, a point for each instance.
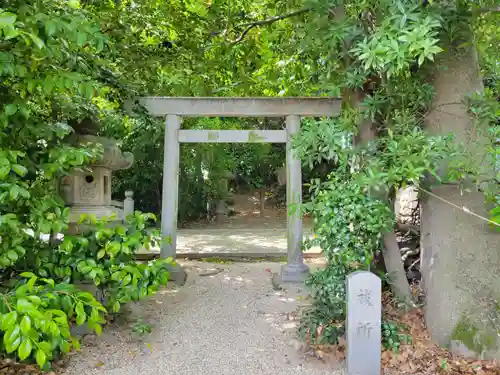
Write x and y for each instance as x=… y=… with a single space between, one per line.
x=420 y=357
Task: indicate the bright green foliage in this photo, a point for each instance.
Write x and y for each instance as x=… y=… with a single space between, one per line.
x=348 y=226
x=142 y=328
x=495 y=214
x=45 y=83
x=392 y=338
x=485 y=111
x=35 y=318
x=486 y=107
x=58 y=73
x=340 y=201
x=104 y=255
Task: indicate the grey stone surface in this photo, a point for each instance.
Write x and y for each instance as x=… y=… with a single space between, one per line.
x=459 y=349
x=294 y=273
x=231 y=323
x=406 y=204
x=295 y=269
x=170 y=187
x=241 y=107
x=89 y=191
x=128 y=203
x=460 y=265
x=364 y=309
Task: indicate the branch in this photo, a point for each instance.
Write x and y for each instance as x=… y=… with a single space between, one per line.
x=404 y=227
x=250 y=25
x=489 y=10
x=6 y=302
x=395 y=268
x=463 y=208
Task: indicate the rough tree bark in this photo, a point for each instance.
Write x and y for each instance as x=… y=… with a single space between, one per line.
x=395 y=268
x=460 y=257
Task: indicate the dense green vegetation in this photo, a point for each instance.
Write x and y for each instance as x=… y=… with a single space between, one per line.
x=67 y=64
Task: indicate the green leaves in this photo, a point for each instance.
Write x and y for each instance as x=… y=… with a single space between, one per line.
x=25 y=348
x=495 y=217
x=392 y=47
x=37 y=326
x=24 y=306
x=10 y=109
x=25 y=325
x=41 y=357
x=12 y=338
x=127 y=280
x=81 y=317
x=50 y=27
x=17 y=191
x=196 y=7
x=9 y=320
x=21 y=170
x=393 y=336
x=36 y=40
x=7 y=19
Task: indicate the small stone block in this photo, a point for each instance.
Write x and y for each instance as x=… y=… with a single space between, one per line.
x=178 y=275
x=364 y=310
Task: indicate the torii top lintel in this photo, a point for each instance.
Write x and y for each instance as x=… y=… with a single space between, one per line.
x=241 y=106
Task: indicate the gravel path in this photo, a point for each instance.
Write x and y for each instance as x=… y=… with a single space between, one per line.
x=227 y=319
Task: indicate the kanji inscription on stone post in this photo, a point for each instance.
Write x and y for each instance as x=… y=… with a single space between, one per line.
x=364 y=309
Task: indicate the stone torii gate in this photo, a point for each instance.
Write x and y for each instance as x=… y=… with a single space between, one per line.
x=173 y=108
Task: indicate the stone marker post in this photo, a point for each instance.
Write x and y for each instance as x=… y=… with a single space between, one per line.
x=128 y=203
x=364 y=310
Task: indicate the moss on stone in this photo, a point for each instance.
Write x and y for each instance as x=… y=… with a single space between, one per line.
x=213 y=136
x=473 y=338
x=254 y=137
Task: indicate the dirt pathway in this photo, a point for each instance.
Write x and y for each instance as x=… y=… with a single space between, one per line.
x=248 y=216
x=244 y=233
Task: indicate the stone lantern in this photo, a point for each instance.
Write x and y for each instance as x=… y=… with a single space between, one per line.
x=88 y=191
x=221 y=209
x=281 y=175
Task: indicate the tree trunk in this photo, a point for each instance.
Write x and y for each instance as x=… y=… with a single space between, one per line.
x=262 y=195
x=395 y=269
x=460 y=258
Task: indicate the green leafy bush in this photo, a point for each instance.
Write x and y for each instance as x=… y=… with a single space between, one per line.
x=37 y=312
x=104 y=255
x=392 y=336
x=348 y=226
x=36 y=315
